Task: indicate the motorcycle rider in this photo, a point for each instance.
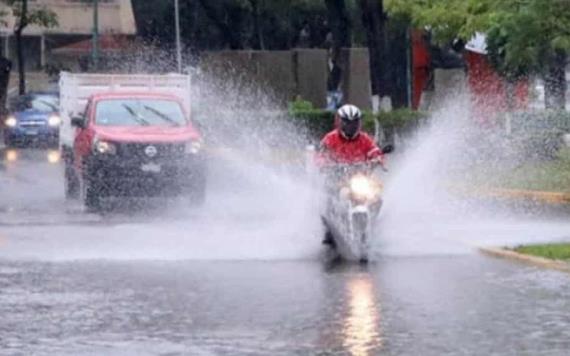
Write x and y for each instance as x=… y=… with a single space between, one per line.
x=347 y=143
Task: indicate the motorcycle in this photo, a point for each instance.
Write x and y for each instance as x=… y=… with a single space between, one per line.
x=354 y=200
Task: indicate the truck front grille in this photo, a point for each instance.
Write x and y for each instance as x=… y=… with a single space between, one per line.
x=138 y=150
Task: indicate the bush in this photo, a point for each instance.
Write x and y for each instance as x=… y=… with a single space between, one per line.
x=319 y=122
x=539 y=133
x=536 y=121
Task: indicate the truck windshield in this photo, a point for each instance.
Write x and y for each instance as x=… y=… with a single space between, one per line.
x=139 y=112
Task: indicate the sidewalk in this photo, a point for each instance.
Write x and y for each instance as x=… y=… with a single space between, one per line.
x=528 y=259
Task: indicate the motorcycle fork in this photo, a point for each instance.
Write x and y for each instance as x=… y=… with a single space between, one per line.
x=359 y=230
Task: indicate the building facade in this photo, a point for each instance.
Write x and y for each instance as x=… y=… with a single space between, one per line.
x=75 y=23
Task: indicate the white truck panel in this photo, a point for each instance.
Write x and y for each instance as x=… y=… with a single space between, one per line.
x=76 y=89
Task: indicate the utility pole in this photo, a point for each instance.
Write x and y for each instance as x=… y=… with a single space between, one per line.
x=95 y=46
x=178 y=47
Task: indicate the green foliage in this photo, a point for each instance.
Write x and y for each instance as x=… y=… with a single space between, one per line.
x=522 y=36
x=316 y=121
x=39 y=15
x=447 y=19
x=300 y=105
x=400 y=118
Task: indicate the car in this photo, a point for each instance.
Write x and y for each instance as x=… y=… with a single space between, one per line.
x=33 y=120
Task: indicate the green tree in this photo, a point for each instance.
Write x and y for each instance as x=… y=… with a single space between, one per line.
x=25 y=16
x=522 y=36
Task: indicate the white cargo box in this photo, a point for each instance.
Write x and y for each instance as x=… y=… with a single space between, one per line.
x=76 y=89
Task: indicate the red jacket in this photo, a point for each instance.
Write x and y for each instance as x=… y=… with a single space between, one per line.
x=336 y=149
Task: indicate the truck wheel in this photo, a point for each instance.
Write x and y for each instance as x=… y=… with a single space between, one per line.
x=92 y=196
x=71 y=183
x=197 y=192
x=92 y=200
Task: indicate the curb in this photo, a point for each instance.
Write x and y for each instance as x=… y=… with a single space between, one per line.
x=531 y=260
x=516 y=194
x=536 y=195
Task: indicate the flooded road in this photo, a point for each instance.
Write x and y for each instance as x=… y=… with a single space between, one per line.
x=243 y=276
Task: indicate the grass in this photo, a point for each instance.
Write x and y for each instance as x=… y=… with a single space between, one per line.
x=546 y=175
x=559 y=251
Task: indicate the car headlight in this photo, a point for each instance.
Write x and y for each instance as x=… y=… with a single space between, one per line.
x=54 y=121
x=193 y=147
x=11 y=121
x=104 y=147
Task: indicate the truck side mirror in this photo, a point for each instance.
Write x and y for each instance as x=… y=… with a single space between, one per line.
x=388 y=149
x=78 y=122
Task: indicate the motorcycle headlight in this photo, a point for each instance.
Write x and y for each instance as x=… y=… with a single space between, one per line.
x=11 y=121
x=54 y=121
x=104 y=147
x=193 y=147
x=363 y=187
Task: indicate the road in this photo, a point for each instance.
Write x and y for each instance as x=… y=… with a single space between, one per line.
x=245 y=275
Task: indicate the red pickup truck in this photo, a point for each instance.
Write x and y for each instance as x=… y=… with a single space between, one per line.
x=134 y=144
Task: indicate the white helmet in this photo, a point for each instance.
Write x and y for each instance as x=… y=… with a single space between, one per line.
x=349 y=121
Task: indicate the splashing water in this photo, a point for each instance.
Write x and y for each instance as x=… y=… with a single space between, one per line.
x=260 y=207
x=256 y=208
x=422 y=216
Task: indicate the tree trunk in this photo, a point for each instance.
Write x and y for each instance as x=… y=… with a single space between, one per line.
x=5 y=68
x=23 y=22
x=339 y=23
x=555 y=83
x=374 y=20
x=259 y=42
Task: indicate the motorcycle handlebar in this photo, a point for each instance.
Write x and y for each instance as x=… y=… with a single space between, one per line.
x=355 y=166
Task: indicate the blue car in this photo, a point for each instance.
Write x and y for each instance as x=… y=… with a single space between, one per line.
x=34 y=120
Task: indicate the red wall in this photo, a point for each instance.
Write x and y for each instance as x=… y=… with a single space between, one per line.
x=488 y=92
x=420 y=67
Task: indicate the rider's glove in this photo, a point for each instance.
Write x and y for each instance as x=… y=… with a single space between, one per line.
x=381 y=162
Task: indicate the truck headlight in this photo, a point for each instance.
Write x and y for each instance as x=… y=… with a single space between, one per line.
x=11 y=121
x=104 y=147
x=11 y=155
x=54 y=121
x=193 y=147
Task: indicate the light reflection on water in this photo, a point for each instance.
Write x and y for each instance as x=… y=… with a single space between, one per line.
x=362 y=332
